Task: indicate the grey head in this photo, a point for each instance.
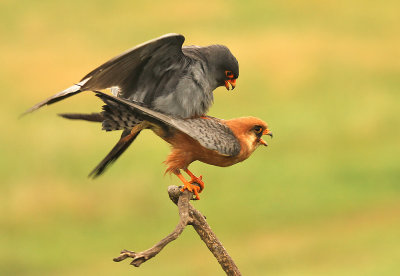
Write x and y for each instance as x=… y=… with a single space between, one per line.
x=221 y=65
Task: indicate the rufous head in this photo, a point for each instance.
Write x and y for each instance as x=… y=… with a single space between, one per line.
x=250 y=130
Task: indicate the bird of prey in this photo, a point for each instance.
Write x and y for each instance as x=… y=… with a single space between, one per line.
x=162 y=75
x=207 y=139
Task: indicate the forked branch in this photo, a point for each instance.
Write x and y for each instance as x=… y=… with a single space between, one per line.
x=188 y=216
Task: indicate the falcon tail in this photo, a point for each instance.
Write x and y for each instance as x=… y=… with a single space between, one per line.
x=118 y=117
x=92 y=117
x=126 y=140
x=70 y=91
x=118 y=114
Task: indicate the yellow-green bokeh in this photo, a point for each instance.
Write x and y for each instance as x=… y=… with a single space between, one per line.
x=322 y=199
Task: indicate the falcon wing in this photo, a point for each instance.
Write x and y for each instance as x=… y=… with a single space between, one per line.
x=125 y=70
x=139 y=67
x=211 y=133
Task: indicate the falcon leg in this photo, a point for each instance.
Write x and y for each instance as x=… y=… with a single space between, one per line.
x=195 y=179
x=189 y=186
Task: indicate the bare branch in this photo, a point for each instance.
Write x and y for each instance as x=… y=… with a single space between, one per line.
x=188 y=216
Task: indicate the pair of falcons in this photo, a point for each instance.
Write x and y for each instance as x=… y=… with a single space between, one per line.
x=162 y=86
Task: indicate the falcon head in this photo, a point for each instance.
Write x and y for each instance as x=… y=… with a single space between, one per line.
x=225 y=67
x=249 y=131
x=254 y=129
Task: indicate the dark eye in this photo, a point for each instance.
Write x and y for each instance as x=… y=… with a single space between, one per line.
x=258 y=129
x=229 y=74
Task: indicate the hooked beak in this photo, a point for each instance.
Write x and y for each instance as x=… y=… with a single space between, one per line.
x=232 y=82
x=266 y=132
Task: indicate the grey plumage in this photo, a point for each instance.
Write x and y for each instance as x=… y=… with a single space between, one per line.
x=162 y=75
x=211 y=132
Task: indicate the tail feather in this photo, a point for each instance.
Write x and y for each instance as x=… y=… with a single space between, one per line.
x=70 y=91
x=93 y=117
x=126 y=140
x=118 y=117
x=115 y=117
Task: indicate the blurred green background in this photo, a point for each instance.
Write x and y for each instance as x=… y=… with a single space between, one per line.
x=322 y=199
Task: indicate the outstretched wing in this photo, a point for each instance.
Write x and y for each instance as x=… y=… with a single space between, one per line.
x=140 y=66
x=210 y=132
x=135 y=74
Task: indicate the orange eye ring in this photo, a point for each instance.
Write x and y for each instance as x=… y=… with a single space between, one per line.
x=229 y=74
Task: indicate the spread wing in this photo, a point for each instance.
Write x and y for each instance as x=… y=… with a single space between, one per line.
x=141 y=66
x=138 y=74
x=211 y=132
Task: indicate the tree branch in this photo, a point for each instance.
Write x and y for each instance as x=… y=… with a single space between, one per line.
x=188 y=216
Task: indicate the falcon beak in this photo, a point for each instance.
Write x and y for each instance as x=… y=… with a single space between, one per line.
x=266 y=132
x=232 y=82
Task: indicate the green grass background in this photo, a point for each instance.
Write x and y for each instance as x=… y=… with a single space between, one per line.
x=322 y=199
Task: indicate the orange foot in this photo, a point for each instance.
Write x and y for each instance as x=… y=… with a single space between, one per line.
x=189 y=184
x=195 y=179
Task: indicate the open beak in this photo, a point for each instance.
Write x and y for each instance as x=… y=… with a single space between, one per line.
x=266 y=132
x=232 y=82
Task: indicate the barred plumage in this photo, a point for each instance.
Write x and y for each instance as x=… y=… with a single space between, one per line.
x=210 y=132
x=118 y=118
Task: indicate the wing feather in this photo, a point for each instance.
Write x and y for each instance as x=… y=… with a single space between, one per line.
x=126 y=70
x=211 y=133
x=143 y=71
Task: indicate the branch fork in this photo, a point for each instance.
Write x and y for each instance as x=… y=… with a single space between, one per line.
x=188 y=216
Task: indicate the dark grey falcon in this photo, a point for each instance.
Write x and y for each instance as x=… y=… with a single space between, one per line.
x=161 y=75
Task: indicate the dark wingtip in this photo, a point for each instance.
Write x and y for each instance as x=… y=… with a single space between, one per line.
x=53 y=99
x=30 y=110
x=95 y=173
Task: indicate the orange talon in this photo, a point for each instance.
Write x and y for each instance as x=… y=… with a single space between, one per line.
x=189 y=186
x=192 y=188
x=195 y=179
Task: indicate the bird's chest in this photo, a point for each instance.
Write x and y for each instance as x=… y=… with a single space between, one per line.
x=192 y=96
x=195 y=92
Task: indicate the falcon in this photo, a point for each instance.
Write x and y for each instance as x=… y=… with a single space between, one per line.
x=162 y=75
x=207 y=139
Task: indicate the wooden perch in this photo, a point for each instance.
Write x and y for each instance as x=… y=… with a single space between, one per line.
x=188 y=216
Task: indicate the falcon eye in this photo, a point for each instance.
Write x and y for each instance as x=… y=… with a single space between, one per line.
x=258 y=129
x=229 y=74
